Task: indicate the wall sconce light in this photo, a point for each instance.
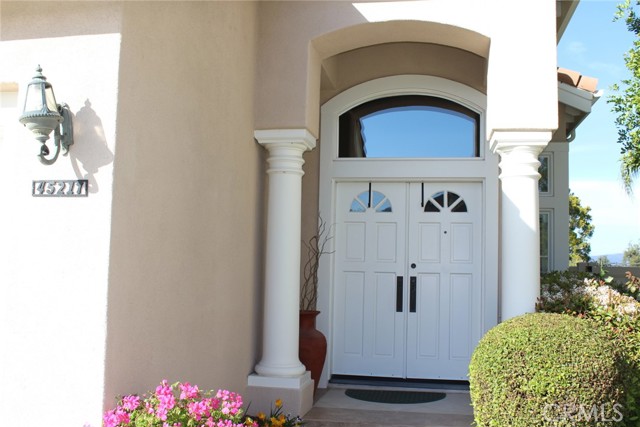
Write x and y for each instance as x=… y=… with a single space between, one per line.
x=41 y=115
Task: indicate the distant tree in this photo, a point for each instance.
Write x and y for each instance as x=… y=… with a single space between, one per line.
x=631 y=257
x=603 y=260
x=580 y=231
x=626 y=98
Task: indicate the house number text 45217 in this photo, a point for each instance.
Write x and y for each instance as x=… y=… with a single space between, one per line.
x=61 y=188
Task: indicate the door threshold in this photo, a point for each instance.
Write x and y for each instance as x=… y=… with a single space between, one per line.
x=354 y=380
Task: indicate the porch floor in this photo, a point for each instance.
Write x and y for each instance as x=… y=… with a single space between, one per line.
x=334 y=409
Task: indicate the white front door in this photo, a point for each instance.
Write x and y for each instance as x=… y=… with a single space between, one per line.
x=407 y=279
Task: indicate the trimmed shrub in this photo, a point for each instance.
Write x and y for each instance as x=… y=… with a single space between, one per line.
x=547 y=369
x=614 y=308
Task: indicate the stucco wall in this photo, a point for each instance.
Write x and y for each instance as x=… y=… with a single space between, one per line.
x=295 y=37
x=105 y=295
x=188 y=196
x=54 y=252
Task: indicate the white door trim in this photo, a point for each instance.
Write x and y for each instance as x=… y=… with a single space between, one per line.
x=333 y=170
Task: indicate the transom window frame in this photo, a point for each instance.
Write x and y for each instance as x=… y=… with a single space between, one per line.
x=335 y=169
x=403 y=85
x=351 y=142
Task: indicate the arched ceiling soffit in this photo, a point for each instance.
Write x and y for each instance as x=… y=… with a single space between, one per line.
x=348 y=69
x=374 y=33
x=362 y=52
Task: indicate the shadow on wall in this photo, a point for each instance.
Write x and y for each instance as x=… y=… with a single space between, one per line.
x=90 y=151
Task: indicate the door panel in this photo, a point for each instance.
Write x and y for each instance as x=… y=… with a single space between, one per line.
x=460 y=299
x=353 y=319
x=429 y=244
x=428 y=309
x=447 y=248
x=370 y=245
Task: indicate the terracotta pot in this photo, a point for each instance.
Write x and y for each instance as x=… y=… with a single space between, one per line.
x=312 y=347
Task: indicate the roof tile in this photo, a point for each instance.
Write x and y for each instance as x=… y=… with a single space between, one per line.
x=577 y=80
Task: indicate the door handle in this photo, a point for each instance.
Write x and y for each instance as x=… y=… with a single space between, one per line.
x=399 y=293
x=412 y=294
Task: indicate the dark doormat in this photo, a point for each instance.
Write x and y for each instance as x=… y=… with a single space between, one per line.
x=394 y=396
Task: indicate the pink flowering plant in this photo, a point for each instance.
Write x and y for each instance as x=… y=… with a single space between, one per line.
x=178 y=405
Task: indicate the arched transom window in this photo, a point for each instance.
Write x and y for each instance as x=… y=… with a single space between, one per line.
x=409 y=126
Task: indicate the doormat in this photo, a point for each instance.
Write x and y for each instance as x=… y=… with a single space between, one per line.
x=394 y=396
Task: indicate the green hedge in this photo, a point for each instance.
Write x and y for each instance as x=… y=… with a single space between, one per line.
x=614 y=307
x=547 y=369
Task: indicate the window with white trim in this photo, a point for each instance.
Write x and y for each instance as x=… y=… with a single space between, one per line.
x=545 y=184
x=546 y=239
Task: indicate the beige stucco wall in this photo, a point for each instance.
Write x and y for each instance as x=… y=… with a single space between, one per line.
x=157 y=274
x=296 y=37
x=54 y=252
x=188 y=199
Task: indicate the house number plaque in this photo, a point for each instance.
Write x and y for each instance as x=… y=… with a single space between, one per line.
x=61 y=188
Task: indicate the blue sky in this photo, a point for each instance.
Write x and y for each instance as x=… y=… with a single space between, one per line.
x=594 y=45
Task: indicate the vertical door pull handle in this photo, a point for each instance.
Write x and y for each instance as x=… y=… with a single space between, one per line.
x=399 y=290
x=412 y=294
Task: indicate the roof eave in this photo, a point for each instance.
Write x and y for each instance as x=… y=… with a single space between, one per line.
x=581 y=103
x=564 y=12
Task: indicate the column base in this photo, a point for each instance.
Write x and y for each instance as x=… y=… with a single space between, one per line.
x=296 y=393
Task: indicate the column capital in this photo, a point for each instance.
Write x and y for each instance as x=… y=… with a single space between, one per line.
x=519 y=151
x=286 y=147
x=301 y=138
x=503 y=141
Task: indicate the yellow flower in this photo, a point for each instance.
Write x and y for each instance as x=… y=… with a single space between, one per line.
x=261 y=416
x=278 y=403
x=275 y=422
x=281 y=418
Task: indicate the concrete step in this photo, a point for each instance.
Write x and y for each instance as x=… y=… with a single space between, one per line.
x=340 y=417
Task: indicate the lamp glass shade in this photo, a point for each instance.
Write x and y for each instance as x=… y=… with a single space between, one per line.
x=35 y=99
x=40 y=98
x=52 y=105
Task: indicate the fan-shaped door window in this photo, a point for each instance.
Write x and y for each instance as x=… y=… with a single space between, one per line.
x=445 y=200
x=370 y=200
x=409 y=126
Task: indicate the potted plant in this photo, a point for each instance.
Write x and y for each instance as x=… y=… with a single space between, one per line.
x=313 y=344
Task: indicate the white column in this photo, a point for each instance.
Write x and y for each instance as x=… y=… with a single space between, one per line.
x=282 y=275
x=520 y=248
x=279 y=374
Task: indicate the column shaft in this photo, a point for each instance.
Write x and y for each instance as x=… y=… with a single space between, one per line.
x=282 y=274
x=520 y=238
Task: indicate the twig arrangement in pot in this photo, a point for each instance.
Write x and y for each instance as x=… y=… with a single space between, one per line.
x=316 y=247
x=313 y=344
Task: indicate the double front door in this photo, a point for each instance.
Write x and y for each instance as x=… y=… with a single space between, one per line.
x=407 y=279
